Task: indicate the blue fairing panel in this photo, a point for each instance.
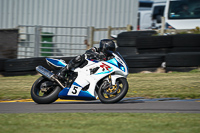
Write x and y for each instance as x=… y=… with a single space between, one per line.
x=116 y=63
x=63 y=93
x=87 y=95
x=113 y=62
x=56 y=62
x=83 y=95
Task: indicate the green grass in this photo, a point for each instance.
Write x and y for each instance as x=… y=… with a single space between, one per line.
x=156 y=85
x=100 y=123
x=151 y=85
x=17 y=87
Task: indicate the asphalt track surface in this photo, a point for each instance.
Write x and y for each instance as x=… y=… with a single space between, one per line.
x=125 y=106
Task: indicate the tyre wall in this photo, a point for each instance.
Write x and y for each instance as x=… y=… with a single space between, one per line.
x=17 y=67
x=141 y=50
x=146 y=52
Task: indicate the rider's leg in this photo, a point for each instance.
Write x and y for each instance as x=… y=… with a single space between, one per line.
x=77 y=61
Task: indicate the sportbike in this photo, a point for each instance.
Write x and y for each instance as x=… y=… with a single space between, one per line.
x=103 y=80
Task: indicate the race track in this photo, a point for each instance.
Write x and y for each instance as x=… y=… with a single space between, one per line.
x=125 y=106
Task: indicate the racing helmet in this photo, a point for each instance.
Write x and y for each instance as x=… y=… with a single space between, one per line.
x=107 y=45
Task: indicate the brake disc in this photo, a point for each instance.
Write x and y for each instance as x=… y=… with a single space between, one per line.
x=112 y=90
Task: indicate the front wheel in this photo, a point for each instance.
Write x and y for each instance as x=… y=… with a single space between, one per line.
x=113 y=94
x=44 y=91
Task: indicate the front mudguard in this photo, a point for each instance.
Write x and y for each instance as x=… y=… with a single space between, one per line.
x=114 y=78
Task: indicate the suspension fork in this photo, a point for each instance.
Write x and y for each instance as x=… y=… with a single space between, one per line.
x=110 y=80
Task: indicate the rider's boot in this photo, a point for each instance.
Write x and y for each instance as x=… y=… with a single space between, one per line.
x=61 y=74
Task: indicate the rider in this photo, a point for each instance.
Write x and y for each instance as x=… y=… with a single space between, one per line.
x=101 y=53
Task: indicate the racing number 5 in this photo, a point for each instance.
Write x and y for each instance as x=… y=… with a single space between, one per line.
x=74 y=90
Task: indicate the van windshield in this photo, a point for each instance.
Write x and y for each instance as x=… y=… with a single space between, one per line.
x=158 y=11
x=184 y=9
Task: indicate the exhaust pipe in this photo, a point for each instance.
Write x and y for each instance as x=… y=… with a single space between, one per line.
x=45 y=72
x=48 y=74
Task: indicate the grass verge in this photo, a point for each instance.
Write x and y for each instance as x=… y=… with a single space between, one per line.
x=151 y=85
x=100 y=122
x=159 y=85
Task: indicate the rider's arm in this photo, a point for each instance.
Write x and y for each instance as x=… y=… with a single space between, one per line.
x=92 y=50
x=92 y=53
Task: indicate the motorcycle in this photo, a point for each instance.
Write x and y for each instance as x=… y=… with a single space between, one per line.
x=103 y=80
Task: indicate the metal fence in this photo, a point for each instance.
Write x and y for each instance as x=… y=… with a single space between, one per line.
x=52 y=41
x=37 y=41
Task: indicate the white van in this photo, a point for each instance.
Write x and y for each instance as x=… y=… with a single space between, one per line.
x=179 y=14
x=158 y=9
x=144 y=15
x=144 y=20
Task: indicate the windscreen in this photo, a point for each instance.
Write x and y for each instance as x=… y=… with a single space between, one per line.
x=158 y=11
x=184 y=9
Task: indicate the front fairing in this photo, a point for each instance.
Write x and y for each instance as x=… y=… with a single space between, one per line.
x=120 y=63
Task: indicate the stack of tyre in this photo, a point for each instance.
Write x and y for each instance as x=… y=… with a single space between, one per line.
x=128 y=48
x=26 y=66
x=2 y=62
x=185 y=53
x=154 y=44
x=145 y=62
x=145 y=52
x=127 y=41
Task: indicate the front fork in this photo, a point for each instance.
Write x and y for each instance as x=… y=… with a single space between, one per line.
x=108 y=83
x=109 y=79
x=111 y=89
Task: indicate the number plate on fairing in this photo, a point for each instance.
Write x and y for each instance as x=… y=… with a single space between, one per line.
x=74 y=90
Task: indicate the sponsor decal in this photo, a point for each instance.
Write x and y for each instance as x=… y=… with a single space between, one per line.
x=104 y=66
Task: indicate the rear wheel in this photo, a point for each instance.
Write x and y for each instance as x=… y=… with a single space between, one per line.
x=113 y=94
x=44 y=91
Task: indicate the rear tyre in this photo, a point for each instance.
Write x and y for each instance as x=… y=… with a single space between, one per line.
x=114 y=94
x=46 y=96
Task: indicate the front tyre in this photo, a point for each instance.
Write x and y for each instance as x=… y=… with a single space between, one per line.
x=42 y=94
x=113 y=94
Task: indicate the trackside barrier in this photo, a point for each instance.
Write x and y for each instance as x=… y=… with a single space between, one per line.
x=52 y=41
x=172 y=52
x=65 y=41
x=178 y=53
x=136 y=63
